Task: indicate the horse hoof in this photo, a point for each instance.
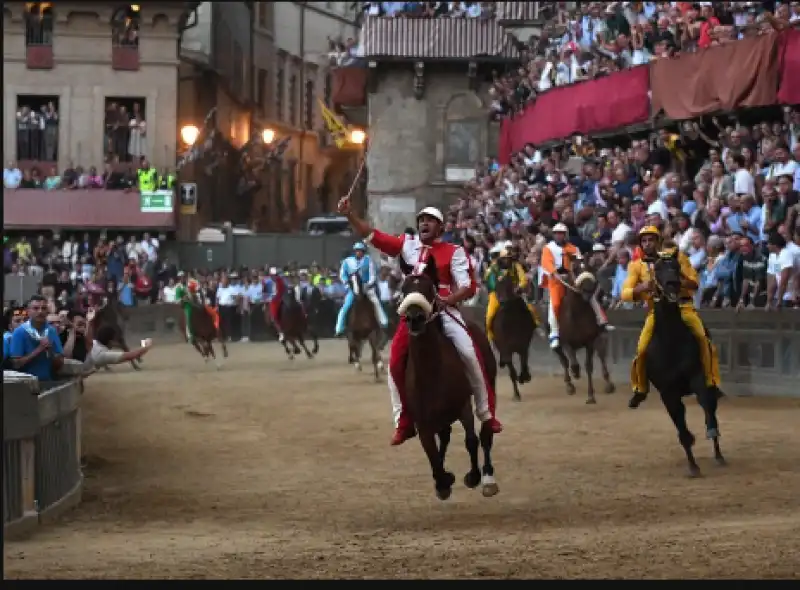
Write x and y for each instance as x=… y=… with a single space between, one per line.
x=721 y=462
x=516 y=398
x=570 y=389
x=357 y=366
x=576 y=371
x=694 y=473
x=525 y=378
x=206 y=359
x=380 y=365
x=443 y=494
x=489 y=486
x=712 y=433
x=315 y=350
x=472 y=479
x=591 y=401
x=291 y=357
x=610 y=388
x=309 y=355
x=296 y=351
x=219 y=365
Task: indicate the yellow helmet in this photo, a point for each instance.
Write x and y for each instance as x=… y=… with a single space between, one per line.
x=649 y=230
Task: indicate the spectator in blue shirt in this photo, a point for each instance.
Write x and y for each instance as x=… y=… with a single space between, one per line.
x=127 y=296
x=751 y=224
x=35 y=345
x=620 y=274
x=729 y=273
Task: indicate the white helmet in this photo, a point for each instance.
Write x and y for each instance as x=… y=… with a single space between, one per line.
x=560 y=227
x=433 y=212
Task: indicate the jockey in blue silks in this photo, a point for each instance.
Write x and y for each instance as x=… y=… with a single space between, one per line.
x=359 y=263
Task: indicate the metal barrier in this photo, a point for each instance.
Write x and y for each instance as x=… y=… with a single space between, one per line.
x=42 y=475
x=759 y=352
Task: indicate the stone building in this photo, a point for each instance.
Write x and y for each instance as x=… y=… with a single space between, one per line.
x=74 y=55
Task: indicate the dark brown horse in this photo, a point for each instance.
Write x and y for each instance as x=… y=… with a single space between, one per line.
x=437 y=388
x=294 y=323
x=205 y=331
x=111 y=314
x=363 y=325
x=513 y=327
x=578 y=328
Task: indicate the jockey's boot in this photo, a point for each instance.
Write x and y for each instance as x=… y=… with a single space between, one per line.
x=555 y=342
x=495 y=425
x=637 y=398
x=281 y=337
x=607 y=327
x=402 y=434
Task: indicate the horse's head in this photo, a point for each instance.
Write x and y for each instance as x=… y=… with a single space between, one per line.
x=356 y=284
x=667 y=276
x=419 y=296
x=505 y=289
x=585 y=281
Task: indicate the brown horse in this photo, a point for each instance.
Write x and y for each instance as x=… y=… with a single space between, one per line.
x=111 y=314
x=513 y=328
x=205 y=331
x=363 y=325
x=294 y=323
x=578 y=329
x=437 y=389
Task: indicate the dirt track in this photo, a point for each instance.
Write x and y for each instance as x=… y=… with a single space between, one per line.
x=269 y=469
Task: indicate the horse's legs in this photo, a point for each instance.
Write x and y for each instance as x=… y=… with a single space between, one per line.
x=313 y=335
x=565 y=363
x=708 y=401
x=512 y=373
x=473 y=476
x=200 y=349
x=525 y=372
x=286 y=348
x=574 y=365
x=377 y=363
x=444 y=442
x=212 y=352
x=221 y=339
x=443 y=480
x=589 y=369
x=489 y=484
x=677 y=411
x=601 y=345
x=305 y=348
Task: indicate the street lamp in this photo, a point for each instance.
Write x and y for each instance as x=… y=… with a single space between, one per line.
x=189 y=134
x=357 y=136
x=268 y=135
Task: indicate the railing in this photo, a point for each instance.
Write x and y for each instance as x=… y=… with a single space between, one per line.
x=42 y=475
x=759 y=353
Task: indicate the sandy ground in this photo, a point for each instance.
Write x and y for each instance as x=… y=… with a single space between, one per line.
x=273 y=469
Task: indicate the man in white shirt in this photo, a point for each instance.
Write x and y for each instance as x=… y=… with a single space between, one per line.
x=227 y=300
x=168 y=292
x=101 y=354
x=12 y=176
x=782 y=265
x=620 y=228
x=782 y=164
x=743 y=183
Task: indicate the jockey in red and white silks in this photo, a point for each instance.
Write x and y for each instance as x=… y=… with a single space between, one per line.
x=456 y=284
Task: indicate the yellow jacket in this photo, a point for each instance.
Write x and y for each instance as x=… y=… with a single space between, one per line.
x=639 y=272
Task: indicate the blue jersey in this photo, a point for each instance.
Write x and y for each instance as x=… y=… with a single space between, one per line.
x=363 y=267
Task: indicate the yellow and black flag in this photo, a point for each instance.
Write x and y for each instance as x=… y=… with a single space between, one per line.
x=338 y=130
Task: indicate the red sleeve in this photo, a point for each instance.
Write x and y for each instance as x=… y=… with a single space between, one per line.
x=387 y=243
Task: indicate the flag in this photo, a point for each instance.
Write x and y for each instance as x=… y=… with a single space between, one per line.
x=337 y=129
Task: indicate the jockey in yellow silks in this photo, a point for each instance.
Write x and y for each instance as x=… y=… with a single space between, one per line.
x=638 y=287
x=505 y=264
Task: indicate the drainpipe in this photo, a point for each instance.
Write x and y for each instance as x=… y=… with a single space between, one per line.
x=301 y=176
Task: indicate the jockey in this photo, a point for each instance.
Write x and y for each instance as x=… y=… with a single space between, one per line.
x=555 y=262
x=359 y=263
x=638 y=287
x=457 y=284
x=279 y=288
x=505 y=263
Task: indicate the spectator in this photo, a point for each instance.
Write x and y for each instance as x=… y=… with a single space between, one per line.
x=12 y=176
x=35 y=345
x=782 y=265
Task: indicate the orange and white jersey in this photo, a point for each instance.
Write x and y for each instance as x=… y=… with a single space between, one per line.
x=553 y=258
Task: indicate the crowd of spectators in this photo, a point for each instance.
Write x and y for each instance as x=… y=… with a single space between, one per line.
x=429 y=9
x=727 y=194
x=599 y=38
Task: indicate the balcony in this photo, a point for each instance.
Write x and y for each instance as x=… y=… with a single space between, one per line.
x=39 y=57
x=125 y=58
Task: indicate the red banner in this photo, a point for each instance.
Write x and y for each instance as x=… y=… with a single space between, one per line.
x=603 y=104
x=789 y=58
x=80 y=209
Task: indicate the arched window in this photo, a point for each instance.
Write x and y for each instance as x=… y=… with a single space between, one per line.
x=125 y=26
x=38 y=24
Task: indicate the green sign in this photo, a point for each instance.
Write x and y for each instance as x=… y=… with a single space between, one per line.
x=156 y=201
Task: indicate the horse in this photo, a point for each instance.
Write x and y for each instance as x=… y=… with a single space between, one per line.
x=673 y=362
x=110 y=314
x=513 y=328
x=295 y=325
x=363 y=325
x=438 y=391
x=578 y=329
x=205 y=331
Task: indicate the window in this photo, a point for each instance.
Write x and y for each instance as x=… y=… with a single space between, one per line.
x=309 y=105
x=279 y=91
x=293 y=99
x=261 y=90
x=38 y=121
x=38 y=24
x=462 y=143
x=125 y=129
x=125 y=26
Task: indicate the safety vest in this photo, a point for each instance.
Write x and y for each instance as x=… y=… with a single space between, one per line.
x=147 y=179
x=166 y=182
